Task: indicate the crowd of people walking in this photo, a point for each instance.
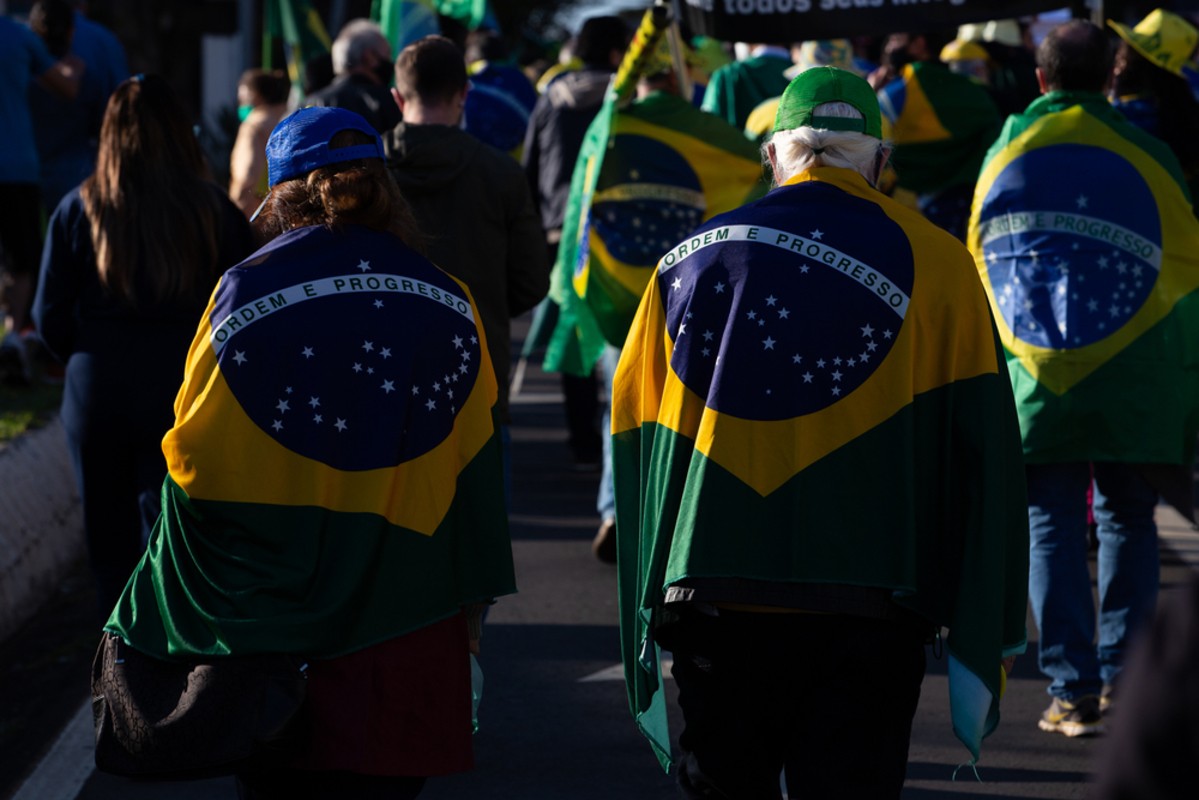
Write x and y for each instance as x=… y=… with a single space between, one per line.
x=868 y=344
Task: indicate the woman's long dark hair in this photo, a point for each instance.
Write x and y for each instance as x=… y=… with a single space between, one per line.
x=1177 y=108
x=359 y=192
x=153 y=216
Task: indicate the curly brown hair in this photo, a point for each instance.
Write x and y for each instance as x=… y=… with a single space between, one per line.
x=357 y=192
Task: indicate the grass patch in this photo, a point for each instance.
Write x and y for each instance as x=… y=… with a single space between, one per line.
x=26 y=407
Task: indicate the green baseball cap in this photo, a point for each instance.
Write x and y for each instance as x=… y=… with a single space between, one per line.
x=819 y=85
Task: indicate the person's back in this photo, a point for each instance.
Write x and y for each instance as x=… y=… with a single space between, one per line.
x=1083 y=233
x=784 y=351
x=1150 y=87
x=335 y=423
x=362 y=66
x=562 y=115
x=67 y=130
x=736 y=89
x=942 y=124
x=470 y=200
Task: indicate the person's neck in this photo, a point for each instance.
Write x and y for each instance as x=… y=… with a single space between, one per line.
x=415 y=114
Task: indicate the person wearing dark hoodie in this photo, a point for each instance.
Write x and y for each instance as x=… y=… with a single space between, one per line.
x=471 y=200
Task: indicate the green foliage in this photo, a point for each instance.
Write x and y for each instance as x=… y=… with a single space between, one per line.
x=26 y=407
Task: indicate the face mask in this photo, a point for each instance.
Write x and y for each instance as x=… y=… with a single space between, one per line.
x=383 y=72
x=243 y=112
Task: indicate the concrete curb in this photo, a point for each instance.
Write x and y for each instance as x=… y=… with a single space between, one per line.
x=41 y=528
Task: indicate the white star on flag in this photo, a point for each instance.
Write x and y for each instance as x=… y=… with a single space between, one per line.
x=457 y=342
x=768 y=343
x=363 y=265
x=708 y=336
x=340 y=424
x=385 y=352
x=678 y=283
x=415 y=391
x=307 y=352
x=239 y=357
x=817 y=234
x=807 y=377
x=836 y=374
x=1081 y=202
x=771 y=300
x=368 y=346
x=314 y=401
x=388 y=387
x=378 y=304
x=682 y=328
x=784 y=313
x=797 y=359
x=430 y=405
x=277 y=425
x=318 y=419
x=867 y=330
x=357 y=367
x=283 y=406
x=719 y=288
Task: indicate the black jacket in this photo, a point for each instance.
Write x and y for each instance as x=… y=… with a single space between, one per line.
x=472 y=202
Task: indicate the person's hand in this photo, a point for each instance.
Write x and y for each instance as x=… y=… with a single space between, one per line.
x=880 y=77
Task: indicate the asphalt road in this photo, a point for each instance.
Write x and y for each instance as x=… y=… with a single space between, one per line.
x=554 y=719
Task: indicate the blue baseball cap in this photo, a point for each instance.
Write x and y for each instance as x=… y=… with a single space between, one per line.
x=300 y=143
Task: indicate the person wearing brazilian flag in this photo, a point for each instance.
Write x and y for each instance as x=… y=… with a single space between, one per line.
x=1083 y=234
x=334 y=486
x=817 y=470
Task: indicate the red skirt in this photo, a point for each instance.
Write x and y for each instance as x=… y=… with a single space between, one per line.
x=402 y=707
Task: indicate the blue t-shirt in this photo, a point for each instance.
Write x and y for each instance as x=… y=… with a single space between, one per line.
x=23 y=56
x=67 y=130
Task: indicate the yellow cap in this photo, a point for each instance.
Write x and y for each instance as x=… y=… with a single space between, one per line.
x=959 y=50
x=1166 y=39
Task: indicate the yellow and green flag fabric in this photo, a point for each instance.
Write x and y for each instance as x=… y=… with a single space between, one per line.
x=941 y=123
x=334 y=471
x=812 y=391
x=1083 y=234
x=303 y=33
x=668 y=167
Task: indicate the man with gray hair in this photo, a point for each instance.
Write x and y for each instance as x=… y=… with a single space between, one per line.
x=817 y=470
x=362 y=66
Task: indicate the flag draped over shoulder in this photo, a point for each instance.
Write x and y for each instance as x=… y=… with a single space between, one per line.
x=811 y=392
x=941 y=123
x=303 y=33
x=667 y=168
x=334 y=471
x=1083 y=234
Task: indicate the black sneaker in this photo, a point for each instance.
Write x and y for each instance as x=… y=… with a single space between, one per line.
x=1080 y=717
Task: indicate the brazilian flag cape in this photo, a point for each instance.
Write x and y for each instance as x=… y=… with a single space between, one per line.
x=942 y=124
x=1083 y=234
x=811 y=392
x=645 y=177
x=668 y=167
x=334 y=471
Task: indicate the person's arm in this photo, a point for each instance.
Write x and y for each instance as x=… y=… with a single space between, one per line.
x=63 y=78
x=530 y=156
x=65 y=258
x=528 y=267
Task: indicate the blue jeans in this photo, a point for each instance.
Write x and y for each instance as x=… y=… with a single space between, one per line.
x=1059 y=584
x=605 y=501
